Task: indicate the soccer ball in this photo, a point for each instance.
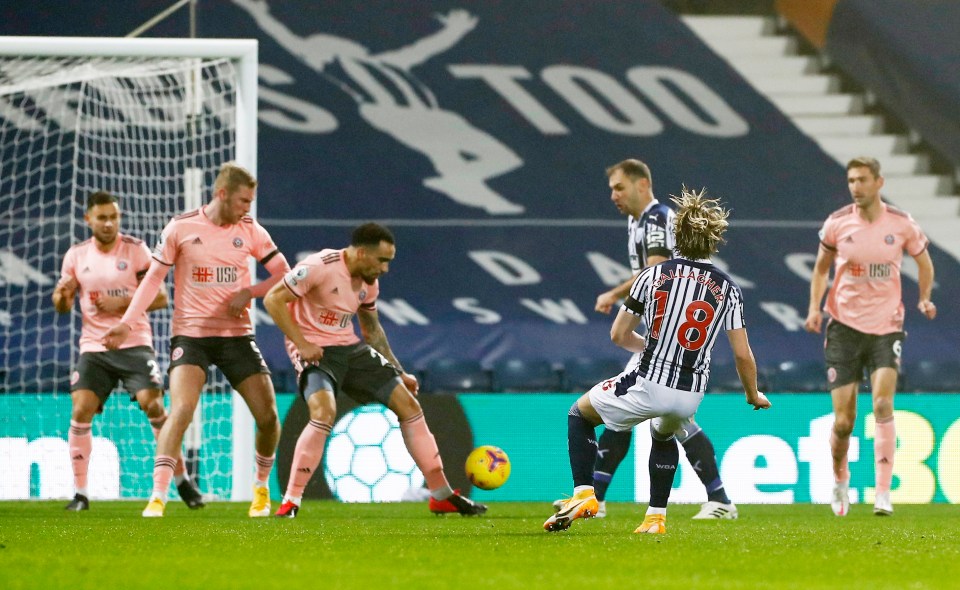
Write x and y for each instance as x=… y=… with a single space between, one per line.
x=488 y=467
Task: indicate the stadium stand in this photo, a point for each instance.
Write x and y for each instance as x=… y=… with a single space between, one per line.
x=517 y=375
x=582 y=373
x=455 y=375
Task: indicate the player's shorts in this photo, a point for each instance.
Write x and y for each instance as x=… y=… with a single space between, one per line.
x=236 y=356
x=642 y=401
x=849 y=352
x=135 y=367
x=689 y=427
x=357 y=370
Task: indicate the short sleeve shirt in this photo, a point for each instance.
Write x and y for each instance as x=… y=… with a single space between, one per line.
x=115 y=273
x=866 y=291
x=211 y=265
x=651 y=234
x=327 y=299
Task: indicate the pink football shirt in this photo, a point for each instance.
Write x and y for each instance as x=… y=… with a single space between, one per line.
x=866 y=287
x=115 y=273
x=327 y=299
x=211 y=267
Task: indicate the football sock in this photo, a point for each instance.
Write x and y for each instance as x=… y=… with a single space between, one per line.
x=295 y=499
x=80 y=443
x=306 y=456
x=264 y=465
x=162 y=474
x=156 y=424
x=884 y=448
x=582 y=447
x=664 y=456
x=612 y=447
x=703 y=458
x=423 y=448
x=838 y=449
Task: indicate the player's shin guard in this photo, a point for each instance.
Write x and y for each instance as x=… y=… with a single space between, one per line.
x=703 y=458
x=423 y=448
x=306 y=456
x=80 y=444
x=664 y=456
x=884 y=448
x=612 y=448
x=582 y=447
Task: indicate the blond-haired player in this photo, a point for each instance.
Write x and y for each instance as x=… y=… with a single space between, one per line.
x=686 y=302
x=210 y=248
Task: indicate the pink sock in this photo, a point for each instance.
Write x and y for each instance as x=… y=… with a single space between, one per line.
x=423 y=448
x=156 y=424
x=838 y=448
x=80 y=443
x=162 y=474
x=306 y=456
x=264 y=465
x=884 y=447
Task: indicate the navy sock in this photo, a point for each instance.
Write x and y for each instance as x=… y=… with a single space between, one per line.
x=664 y=456
x=703 y=458
x=582 y=446
x=612 y=448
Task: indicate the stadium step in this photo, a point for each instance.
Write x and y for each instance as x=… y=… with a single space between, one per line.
x=768 y=57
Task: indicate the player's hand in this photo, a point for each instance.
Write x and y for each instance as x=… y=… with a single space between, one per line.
x=310 y=353
x=760 y=402
x=66 y=288
x=605 y=302
x=927 y=308
x=813 y=322
x=109 y=304
x=115 y=338
x=410 y=382
x=238 y=303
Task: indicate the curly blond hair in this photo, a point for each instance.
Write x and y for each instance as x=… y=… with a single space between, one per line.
x=700 y=224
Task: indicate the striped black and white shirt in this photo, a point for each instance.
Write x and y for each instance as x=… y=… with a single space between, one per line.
x=651 y=234
x=685 y=303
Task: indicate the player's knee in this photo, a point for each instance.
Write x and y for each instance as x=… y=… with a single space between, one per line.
x=268 y=419
x=842 y=426
x=687 y=430
x=661 y=431
x=403 y=403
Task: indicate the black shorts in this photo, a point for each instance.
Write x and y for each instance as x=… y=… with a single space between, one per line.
x=236 y=356
x=99 y=372
x=849 y=353
x=358 y=370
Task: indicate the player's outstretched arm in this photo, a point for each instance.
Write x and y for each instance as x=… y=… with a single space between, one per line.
x=144 y=296
x=747 y=368
x=373 y=334
x=818 y=286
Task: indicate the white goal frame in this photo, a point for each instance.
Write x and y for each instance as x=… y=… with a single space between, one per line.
x=244 y=52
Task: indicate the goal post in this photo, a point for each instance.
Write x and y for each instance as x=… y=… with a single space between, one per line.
x=150 y=120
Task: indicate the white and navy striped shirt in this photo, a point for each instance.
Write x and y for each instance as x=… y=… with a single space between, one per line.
x=650 y=234
x=685 y=303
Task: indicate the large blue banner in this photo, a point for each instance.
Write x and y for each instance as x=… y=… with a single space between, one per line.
x=480 y=131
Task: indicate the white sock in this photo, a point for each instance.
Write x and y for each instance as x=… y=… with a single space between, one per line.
x=82 y=492
x=295 y=499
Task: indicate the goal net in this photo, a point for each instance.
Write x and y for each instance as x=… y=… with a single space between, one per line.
x=150 y=121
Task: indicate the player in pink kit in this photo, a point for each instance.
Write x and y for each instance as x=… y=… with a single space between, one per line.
x=106 y=270
x=210 y=248
x=314 y=307
x=865 y=242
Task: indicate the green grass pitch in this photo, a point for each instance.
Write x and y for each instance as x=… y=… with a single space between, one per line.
x=332 y=545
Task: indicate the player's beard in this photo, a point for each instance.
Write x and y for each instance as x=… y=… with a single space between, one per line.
x=100 y=239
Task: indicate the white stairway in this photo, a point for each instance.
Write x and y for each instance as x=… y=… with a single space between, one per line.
x=836 y=121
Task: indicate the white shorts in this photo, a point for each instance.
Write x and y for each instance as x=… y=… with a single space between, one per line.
x=643 y=401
